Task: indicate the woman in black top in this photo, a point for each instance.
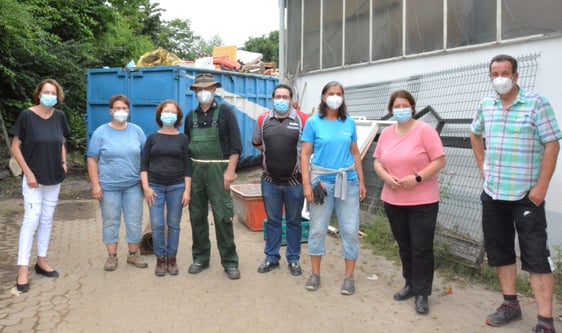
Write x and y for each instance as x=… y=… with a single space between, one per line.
x=166 y=181
x=38 y=147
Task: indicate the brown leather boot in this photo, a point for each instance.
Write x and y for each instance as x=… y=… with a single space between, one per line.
x=160 y=269
x=172 y=267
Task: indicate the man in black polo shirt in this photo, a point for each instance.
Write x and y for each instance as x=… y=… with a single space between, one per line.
x=277 y=134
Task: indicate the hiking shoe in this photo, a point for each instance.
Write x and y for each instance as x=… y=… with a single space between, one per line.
x=348 y=287
x=172 y=266
x=160 y=269
x=540 y=328
x=295 y=268
x=135 y=260
x=313 y=282
x=267 y=266
x=110 y=263
x=504 y=315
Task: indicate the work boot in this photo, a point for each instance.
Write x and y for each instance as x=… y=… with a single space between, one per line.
x=172 y=266
x=135 y=260
x=160 y=269
x=111 y=263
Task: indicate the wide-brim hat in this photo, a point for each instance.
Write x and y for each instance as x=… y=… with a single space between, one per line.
x=204 y=81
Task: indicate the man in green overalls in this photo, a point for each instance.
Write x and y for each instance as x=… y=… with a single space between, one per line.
x=215 y=146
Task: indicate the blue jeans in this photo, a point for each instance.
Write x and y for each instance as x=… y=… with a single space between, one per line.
x=275 y=197
x=347 y=214
x=170 y=197
x=129 y=201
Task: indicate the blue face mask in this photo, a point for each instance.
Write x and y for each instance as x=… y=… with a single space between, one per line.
x=402 y=115
x=168 y=118
x=281 y=105
x=48 y=100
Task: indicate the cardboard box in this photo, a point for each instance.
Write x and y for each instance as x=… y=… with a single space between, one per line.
x=305 y=229
x=248 y=205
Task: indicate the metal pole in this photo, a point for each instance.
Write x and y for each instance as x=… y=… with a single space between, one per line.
x=282 y=73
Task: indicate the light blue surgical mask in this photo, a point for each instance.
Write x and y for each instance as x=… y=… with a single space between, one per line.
x=402 y=115
x=281 y=105
x=168 y=118
x=48 y=100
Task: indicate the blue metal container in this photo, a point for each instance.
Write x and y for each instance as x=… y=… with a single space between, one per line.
x=247 y=94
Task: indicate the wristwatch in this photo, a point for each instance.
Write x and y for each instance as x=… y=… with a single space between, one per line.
x=418 y=178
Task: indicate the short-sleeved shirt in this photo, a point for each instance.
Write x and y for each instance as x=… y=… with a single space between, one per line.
x=229 y=131
x=281 y=146
x=166 y=159
x=404 y=155
x=41 y=144
x=515 y=139
x=118 y=153
x=331 y=143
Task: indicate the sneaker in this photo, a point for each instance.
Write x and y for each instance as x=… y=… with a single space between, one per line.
x=348 y=287
x=504 y=315
x=313 y=282
x=295 y=268
x=540 y=328
x=110 y=263
x=135 y=260
x=267 y=266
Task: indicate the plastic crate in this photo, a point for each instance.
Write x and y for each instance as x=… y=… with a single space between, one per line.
x=248 y=205
x=305 y=224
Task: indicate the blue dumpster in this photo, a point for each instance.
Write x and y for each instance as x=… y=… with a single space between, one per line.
x=248 y=95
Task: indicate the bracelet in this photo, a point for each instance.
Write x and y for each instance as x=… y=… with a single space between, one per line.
x=64 y=163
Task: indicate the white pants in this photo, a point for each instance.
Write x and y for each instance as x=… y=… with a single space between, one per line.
x=39 y=207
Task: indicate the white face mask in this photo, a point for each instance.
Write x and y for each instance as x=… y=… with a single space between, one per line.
x=205 y=97
x=502 y=85
x=334 y=102
x=120 y=116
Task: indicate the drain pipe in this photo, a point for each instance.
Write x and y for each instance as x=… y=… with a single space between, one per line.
x=282 y=73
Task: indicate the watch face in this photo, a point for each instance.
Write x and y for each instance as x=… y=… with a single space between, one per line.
x=418 y=178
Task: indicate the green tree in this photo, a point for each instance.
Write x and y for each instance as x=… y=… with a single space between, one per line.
x=266 y=45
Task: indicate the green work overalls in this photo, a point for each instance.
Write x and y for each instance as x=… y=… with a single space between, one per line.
x=207 y=185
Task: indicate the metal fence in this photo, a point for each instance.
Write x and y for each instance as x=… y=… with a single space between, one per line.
x=448 y=100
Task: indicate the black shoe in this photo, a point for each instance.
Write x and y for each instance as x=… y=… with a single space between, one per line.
x=266 y=266
x=232 y=272
x=197 y=268
x=22 y=288
x=403 y=294
x=422 y=305
x=295 y=268
x=51 y=274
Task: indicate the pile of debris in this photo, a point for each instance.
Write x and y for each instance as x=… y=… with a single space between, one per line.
x=223 y=58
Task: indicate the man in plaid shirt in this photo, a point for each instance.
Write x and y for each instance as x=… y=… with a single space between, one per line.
x=521 y=135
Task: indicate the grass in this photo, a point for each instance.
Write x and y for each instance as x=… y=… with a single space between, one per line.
x=450 y=267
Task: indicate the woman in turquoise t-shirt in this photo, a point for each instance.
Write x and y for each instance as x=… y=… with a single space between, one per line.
x=331 y=168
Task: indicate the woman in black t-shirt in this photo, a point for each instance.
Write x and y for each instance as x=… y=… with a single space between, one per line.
x=166 y=182
x=38 y=147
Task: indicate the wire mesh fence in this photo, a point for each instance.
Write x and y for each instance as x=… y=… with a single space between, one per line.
x=447 y=100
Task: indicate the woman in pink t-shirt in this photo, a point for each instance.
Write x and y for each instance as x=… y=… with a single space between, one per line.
x=408 y=156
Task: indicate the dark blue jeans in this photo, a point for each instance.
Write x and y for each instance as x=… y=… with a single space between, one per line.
x=275 y=199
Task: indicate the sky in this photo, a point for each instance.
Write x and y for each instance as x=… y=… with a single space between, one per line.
x=233 y=20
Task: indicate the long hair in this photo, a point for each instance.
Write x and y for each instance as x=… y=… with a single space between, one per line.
x=322 y=107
